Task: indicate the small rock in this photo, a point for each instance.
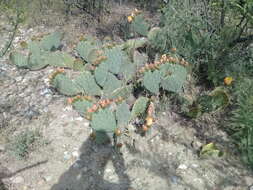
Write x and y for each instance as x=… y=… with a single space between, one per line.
x=48 y=178
x=182 y=167
x=75 y=154
x=251 y=187
x=174 y=179
x=195 y=165
x=66 y=156
x=2 y=148
x=41 y=182
x=18 y=179
x=79 y=119
x=18 y=79
x=86 y=124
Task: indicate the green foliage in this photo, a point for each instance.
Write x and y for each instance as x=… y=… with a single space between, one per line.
x=104 y=120
x=139 y=107
x=23 y=143
x=240 y=122
x=84 y=48
x=81 y=106
x=152 y=80
x=40 y=54
x=60 y=59
x=214 y=101
x=173 y=77
x=51 y=41
x=65 y=85
x=139 y=25
x=86 y=82
x=123 y=114
x=19 y=59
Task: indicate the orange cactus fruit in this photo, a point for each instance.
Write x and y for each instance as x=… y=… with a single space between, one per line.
x=173 y=50
x=94 y=108
x=107 y=101
x=117 y=132
x=151 y=109
x=119 y=145
x=61 y=70
x=119 y=99
x=142 y=70
x=130 y=18
x=144 y=128
x=89 y=110
x=149 y=121
x=70 y=100
x=228 y=80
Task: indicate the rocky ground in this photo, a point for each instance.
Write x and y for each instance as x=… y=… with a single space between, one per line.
x=66 y=159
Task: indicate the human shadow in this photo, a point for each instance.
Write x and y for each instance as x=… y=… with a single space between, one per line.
x=89 y=170
x=5 y=173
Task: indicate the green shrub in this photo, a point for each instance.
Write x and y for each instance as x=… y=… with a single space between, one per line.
x=240 y=122
x=23 y=143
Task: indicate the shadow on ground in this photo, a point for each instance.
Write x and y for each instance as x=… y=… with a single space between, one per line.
x=88 y=171
x=5 y=173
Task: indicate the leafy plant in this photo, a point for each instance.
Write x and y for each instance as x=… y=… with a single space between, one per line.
x=240 y=124
x=23 y=143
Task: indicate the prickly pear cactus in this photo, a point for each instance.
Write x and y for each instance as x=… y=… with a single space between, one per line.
x=100 y=83
x=166 y=73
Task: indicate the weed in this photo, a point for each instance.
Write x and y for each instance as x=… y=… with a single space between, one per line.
x=24 y=142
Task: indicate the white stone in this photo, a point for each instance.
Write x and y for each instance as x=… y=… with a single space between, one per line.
x=75 y=154
x=182 y=167
x=18 y=179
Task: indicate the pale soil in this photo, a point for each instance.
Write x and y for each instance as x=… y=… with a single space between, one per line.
x=165 y=159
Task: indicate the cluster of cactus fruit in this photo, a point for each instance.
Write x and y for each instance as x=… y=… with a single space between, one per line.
x=105 y=77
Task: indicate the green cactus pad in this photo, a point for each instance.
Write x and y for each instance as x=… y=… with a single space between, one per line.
x=51 y=41
x=101 y=74
x=139 y=25
x=111 y=84
x=86 y=82
x=81 y=106
x=123 y=114
x=115 y=59
x=134 y=43
x=104 y=120
x=60 y=59
x=19 y=60
x=79 y=65
x=84 y=48
x=140 y=59
x=103 y=137
x=139 y=107
x=173 y=77
x=37 y=56
x=65 y=85
x=93 y=55
x=128 y=71
x=151 y=81
x=123 y=92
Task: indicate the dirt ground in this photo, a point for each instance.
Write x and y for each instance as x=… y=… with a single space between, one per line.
x=165 y=159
